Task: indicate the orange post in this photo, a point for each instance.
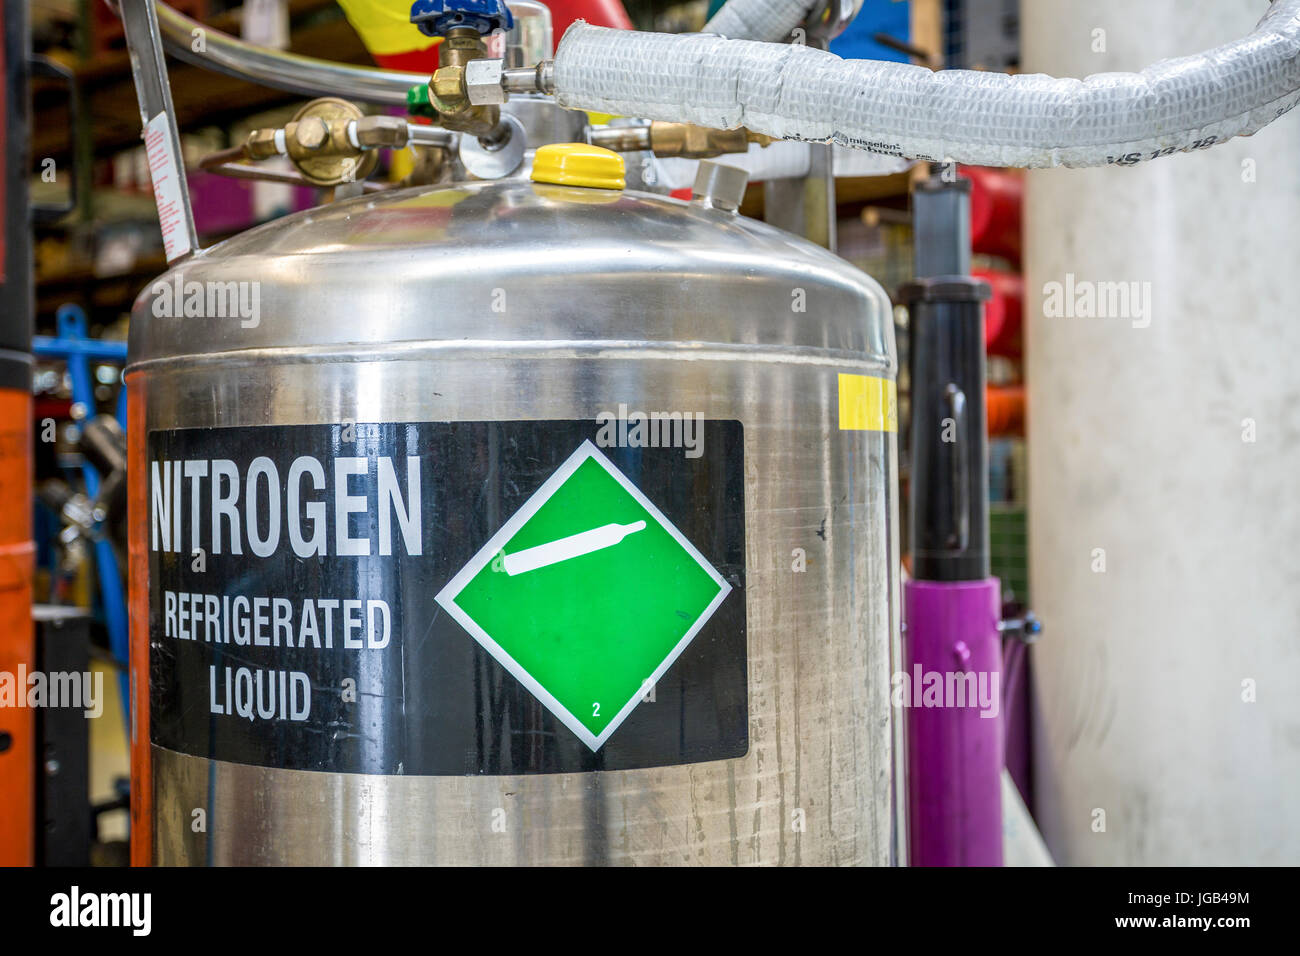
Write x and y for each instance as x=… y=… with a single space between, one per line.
x=17 y=641
x=138 y=611
x=17 y=553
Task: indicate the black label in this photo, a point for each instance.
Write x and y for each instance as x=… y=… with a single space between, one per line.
x=449 y=597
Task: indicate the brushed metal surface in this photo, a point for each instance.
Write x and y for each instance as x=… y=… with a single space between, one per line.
x=515 y=261
x=637 y=300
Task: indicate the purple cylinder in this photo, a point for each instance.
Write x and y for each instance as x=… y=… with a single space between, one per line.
x=952 y=694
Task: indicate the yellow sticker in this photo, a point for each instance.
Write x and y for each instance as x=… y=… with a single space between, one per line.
x=868 y=404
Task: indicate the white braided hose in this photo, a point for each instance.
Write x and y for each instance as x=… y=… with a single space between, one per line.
x=991 y=119
x=772 y=20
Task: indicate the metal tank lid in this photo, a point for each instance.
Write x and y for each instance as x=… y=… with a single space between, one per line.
x=514 y=263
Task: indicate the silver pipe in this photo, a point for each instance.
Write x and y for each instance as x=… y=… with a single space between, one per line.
x=621 y=139
x=530 y=79
x=288 y=177
x=303 y=75
x=418 y=135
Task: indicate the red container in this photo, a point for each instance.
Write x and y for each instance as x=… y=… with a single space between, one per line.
x=995 y=202
x=1004 y=312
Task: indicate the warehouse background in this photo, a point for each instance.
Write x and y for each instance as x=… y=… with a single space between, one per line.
x=1147 y=517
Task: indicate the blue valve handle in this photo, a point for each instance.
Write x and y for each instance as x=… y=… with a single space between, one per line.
x=436 y=17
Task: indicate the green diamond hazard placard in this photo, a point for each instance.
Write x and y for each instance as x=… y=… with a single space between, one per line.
x=587 y=595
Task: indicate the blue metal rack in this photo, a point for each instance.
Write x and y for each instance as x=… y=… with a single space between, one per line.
x=79 y=351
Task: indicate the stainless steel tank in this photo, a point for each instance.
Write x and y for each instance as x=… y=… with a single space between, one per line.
x=489 y=331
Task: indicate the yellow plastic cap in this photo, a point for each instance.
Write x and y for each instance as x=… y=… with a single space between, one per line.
x=578 y=164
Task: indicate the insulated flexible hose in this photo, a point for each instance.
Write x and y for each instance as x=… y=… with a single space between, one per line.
x=991 y=119
x=799 y=93
x=771 y=20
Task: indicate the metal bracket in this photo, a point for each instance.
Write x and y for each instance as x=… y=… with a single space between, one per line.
x=807 y=206
x=144 y=43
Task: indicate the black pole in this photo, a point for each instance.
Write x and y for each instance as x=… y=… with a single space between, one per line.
x=16 y=294
x=949 y=476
